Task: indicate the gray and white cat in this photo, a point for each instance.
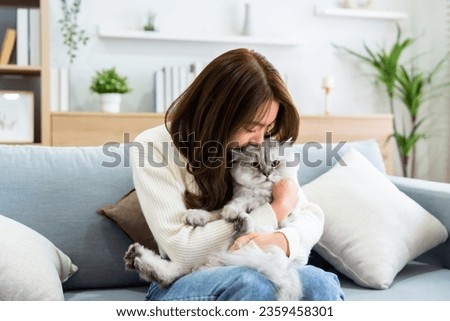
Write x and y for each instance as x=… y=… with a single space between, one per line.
x=254 y=170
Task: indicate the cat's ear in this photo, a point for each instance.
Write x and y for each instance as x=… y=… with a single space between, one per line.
x=236 y=154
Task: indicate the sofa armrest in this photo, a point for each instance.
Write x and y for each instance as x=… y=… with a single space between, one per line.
x=435 y=198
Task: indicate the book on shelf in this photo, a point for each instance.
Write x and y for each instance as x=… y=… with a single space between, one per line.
x=159 y=92
x=59 y=89
x=34 y=32
x=54 y=89
x=7 y=46
x=170 y=82
x=64 y=89
x=167 y=74
x=27 y=22
x=23 y=39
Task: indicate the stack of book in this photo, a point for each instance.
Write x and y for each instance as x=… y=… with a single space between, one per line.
x=26 y=36
x=171 y=81
x=59 y=89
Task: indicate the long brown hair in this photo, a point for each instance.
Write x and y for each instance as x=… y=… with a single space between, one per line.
x=231 y=92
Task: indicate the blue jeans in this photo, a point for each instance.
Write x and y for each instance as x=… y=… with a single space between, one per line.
x=231 y=283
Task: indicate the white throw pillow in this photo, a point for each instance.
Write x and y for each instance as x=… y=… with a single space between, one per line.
x=31 y=267
x=372 y=229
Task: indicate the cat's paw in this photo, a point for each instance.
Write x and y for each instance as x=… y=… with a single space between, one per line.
x=197 y=217
x=134 y=251
x=229 y=213
x=146 y=270
x=142 y=260
x=244 y=224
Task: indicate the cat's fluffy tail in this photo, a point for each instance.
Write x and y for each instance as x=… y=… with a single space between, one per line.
x=270 y=262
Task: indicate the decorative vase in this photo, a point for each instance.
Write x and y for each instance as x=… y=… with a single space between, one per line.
x=111 y=102
x=247 y=30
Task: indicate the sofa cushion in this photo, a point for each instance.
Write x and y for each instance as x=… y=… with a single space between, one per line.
x=127 y=213
x=372 y=230
x=31 y=267
x=56 y=191
x=117 y=294
x=415 y=282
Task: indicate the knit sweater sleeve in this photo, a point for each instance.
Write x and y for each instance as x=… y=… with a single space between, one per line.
x=305 y=231
x=160 y=181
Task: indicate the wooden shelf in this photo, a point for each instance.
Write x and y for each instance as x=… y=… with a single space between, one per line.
x=116 y=33
x=360 y=13
x=106 y=115
x=23 y=3
x=19 y=70
x=97 y=128
x=35 y=78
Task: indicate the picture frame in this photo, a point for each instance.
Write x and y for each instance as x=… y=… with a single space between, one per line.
x=16 y=116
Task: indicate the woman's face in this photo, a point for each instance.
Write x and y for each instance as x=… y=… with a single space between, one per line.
x=256 y=131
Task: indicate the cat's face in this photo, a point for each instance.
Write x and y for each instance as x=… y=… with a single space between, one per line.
x=263 y=164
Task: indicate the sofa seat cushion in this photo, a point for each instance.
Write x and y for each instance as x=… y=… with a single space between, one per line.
x=415 y=282
x=372 y=230
x=116 y=294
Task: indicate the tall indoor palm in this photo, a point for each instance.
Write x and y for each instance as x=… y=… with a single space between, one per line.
x=409 y=87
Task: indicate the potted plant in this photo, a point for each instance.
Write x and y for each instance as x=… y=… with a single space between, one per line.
x=412 y=88
x=110 y=86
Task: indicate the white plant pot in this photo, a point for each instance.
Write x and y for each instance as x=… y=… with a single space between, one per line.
x=111 y=102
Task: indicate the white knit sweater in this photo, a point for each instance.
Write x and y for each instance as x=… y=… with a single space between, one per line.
x=160 y=181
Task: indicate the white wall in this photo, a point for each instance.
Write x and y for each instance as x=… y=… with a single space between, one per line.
x=304 y=66
x=431 y=29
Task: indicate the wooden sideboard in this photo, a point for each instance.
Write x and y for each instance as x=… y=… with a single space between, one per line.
x=350 y=128
x=90 y=129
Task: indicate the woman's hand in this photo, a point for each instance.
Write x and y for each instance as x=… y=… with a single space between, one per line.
x=262 y=240
x=285 y=198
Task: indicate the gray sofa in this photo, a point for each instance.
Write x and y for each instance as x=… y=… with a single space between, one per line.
x=57 y=190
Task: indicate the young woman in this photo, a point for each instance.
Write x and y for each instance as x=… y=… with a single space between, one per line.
x=236 y=100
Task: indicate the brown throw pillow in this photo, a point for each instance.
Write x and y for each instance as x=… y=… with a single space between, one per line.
x=128 y=215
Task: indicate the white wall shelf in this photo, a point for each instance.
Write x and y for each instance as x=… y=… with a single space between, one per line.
x=360 y=13
x=107 y=32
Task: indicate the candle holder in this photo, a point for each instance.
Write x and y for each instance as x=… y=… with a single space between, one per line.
x=327 y=85
x=327 y=101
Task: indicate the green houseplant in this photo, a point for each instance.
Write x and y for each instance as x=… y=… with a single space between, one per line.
x=110 y=86
x=411 y=88
x=414 y=88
